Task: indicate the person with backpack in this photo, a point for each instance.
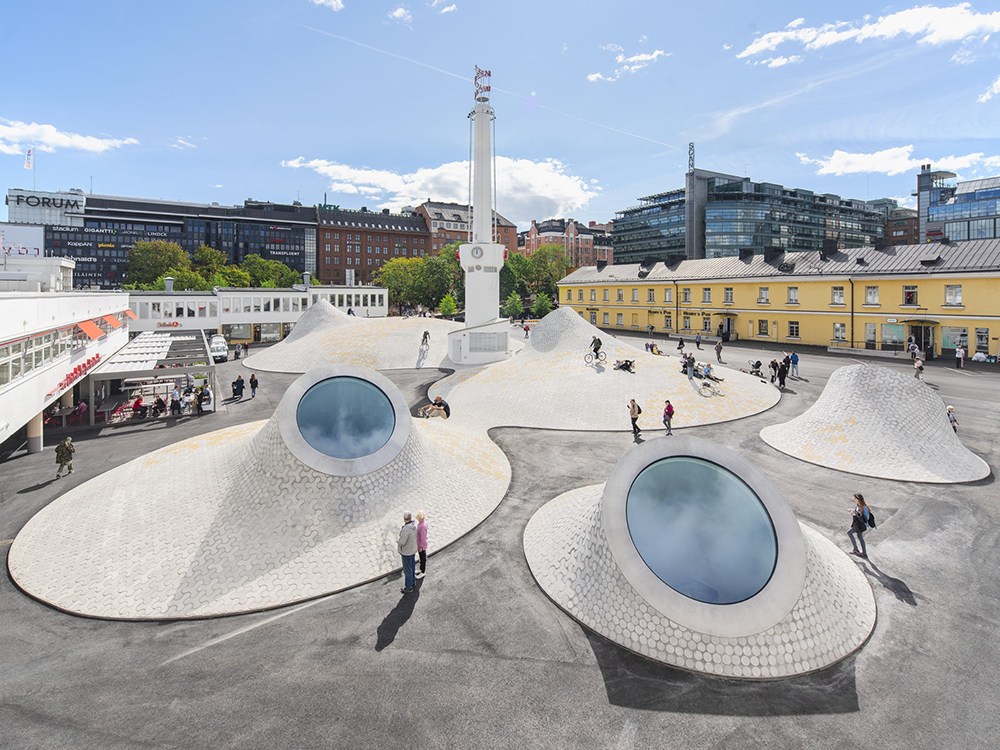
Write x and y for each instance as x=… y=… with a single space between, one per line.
x=861 y=518
x=634 y=410
x=64 y=456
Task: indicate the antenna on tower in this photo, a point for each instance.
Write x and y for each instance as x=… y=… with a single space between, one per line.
x=691 y=156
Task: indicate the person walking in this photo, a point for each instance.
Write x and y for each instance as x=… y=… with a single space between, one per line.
x=690 y=366
x=952 y=419
x=422 y=542
x=959 y=357
x=634 y=410
x=406 y=543
x=680 y=343
x=859 y=522
x=668 y=416
x=238 y=387
x=913 y=349
x=718 y=351
x=794 y=361
x=64 y=456
x=773 y=367
x=254 y=383
x=697 y=339
x=918 y=368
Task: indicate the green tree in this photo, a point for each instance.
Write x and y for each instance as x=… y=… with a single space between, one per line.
x=184 y=280
x=208 y=261
x=433 y=281
x=542 y=306
x=149 y=260
x=401 y=276
x=448 y=306
x=234 y=276
x=513 y=276
x=546 y=266
x=513 y=307
x=269 y=273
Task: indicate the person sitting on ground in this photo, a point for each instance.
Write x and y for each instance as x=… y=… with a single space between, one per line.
x=628 y=365
x=654 y=349
x=438 y=408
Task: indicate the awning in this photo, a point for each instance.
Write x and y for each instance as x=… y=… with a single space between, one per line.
x=921 y=322
x=90 y=328
x=113 y=321
x=131 y=314
x=726 y=314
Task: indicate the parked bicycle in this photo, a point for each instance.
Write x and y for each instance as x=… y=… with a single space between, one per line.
x=600 y=358
x=709 y=389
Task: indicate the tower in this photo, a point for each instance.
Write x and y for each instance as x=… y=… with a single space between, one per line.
x=485 y=336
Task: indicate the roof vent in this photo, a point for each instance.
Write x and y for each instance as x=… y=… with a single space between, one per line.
x=746 y=254
x=601 y=265
x=861 y=261
x=786 y=267
x=929 y=259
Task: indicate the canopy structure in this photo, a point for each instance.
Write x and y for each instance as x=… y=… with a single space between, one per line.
x=155 y=357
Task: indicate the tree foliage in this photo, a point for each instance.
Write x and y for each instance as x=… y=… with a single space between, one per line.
x=448 y=306
x=542 y=306
x=546 y=266
x=148 y=260
x=208 y=261
x=513 y=307
x=185 y=280
x=269 y=274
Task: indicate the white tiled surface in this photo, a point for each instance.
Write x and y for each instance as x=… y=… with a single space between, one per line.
x=568 y=554
x=880 y=423
x=231 y=522
x=548 y=385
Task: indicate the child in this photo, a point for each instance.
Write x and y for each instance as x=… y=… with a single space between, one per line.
x=422 y=541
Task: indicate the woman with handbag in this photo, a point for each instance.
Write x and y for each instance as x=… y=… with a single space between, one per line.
x=859 y=522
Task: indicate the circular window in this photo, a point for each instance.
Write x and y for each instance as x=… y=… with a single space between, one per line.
x=344 y=420
x=701 y=530
x=703 y=536
x=345 y=417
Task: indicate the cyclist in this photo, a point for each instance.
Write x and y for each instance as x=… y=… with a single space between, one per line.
x=595 y=345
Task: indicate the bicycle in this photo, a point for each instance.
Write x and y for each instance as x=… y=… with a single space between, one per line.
x=709 y=389
x=600 y=358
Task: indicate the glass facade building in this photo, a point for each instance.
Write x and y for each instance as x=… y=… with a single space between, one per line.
x=718 y=215
x=967 y=211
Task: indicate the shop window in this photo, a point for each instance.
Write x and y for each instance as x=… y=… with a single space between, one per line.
x=605 y=319
x=762 y=327
x=687 y=323
x=620 y=320
x=668 y=322
x=706 y=324
x=793 y=329
x=983 y=340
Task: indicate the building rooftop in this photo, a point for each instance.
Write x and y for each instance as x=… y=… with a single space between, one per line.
x=457 y=212
x=975 y=255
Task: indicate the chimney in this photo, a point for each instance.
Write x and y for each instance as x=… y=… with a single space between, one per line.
x=306 y=275
x=168 y=283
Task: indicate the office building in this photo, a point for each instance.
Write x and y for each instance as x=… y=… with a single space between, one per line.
x=718 y=215
x=949 y=211
x=451 y=223
x=579 y=242
x=353 y=245
x=97 y=231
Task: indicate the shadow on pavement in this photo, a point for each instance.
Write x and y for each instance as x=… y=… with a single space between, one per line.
x=632 y=681
x=397 y=618
x=896 y=586
x=35 y=488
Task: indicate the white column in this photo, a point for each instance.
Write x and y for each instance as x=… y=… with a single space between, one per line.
x=482 y=184
x=35 y=434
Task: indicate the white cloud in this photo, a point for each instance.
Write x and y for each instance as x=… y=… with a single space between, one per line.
x=181 y=143
x=526 y=189
x=642 y=39
x=218 y=186
x=990 y=92
x=929 y=23
x=727 y=46
x=331 y=4
x=892 y=161
x=16 y=136
x=626 y=64
x=796 y=23
x=777 y=62
x=401 y=14
x=449 y=9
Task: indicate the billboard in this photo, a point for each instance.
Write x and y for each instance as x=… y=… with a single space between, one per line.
x=22 y=240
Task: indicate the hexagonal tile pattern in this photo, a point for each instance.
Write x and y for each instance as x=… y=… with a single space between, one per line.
x=549 y=385
x=568 y=554
x=232 y=522
x=878 y=422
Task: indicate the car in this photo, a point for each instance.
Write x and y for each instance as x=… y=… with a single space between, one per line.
x=219 y=348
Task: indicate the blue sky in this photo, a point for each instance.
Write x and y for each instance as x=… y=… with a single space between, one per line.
x=596 y=101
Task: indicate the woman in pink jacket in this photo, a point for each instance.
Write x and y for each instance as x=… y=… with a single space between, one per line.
x=422 y=541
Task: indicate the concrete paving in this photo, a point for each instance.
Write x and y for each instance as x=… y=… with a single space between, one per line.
x=483 y=659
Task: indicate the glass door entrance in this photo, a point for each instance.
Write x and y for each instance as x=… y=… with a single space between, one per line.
x=923 y=337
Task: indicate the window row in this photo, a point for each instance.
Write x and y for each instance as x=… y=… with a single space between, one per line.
x=952 y=294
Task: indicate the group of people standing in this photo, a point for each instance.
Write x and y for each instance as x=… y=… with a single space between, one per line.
x=411 y=542
x=789 y=365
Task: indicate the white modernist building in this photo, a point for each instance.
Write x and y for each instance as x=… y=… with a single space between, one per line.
x=247 y=315
x=484 y=338
x=48 y=345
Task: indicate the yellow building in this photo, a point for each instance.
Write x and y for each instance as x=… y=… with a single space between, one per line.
x=940 y=295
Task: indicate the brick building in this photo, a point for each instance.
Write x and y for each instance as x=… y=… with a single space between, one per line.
x=353 y=245
x=451 y=222
x=584 y=245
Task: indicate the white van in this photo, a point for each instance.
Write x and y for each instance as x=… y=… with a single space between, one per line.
x=219 y=348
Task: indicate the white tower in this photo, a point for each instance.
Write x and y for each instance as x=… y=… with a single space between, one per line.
x=485 y=337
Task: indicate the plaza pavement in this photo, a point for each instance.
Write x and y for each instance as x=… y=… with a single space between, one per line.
x=482 y=658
